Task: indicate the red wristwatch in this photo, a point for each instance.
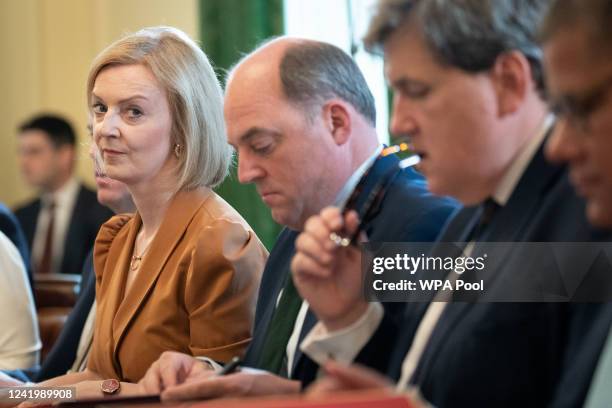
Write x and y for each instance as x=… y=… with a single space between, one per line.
x=110 y=387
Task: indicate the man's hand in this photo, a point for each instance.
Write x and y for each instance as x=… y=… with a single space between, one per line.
x=242 y=384
x=171 y=369
x=326 y=275
x=339 y=377
x=355 y=377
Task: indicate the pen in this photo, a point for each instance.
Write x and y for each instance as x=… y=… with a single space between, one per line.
x=230 y=367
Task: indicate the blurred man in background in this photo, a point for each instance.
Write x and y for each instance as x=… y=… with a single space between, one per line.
x=62 y=222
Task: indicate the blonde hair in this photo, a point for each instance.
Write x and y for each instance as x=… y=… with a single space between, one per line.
x=194 y=96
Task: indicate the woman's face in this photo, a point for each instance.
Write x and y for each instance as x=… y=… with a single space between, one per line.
x=132 y=125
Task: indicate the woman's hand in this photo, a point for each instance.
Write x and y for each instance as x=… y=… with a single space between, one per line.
x=91 y=389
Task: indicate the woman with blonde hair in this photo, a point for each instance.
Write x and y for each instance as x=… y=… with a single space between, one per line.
x=182 y=273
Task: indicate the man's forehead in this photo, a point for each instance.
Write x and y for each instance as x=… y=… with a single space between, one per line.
x=250 y=104
x=250 y=88
x=245 y=125
x=406 y=51
x=256 y=67
x=245 y=120
x=567 y=57
x=35 y=136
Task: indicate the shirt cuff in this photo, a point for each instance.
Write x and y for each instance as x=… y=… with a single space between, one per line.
x=342 y=345
x=214 y=365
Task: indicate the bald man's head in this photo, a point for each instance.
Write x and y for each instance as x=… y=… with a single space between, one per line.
x=301 y=117
x=309 y=72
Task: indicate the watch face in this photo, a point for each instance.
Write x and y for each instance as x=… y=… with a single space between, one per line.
x=110 y=386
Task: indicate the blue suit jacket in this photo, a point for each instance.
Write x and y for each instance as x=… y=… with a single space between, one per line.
x=408 y=212
x=513 y=354
x=11 y=228
x=85 y=221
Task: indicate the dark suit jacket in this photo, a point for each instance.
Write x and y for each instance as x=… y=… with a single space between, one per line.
x=408 y=212
x=513 y=354
x=11 y=228
x=87 y=217
x=62 y=355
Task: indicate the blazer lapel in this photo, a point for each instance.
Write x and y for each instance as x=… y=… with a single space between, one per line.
x=28 y=219
x=458 y=227
x=74 y=232
x=508 y=225
x=277 y=267
x=457 y=231
x=309 y=321
x=513 y=218
x=183 y=208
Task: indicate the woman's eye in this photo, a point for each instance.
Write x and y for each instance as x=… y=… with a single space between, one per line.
x=134 y=113
x=98 y=108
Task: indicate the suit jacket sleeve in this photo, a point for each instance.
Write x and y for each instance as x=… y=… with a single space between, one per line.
x=221 y=290
x=105 y=238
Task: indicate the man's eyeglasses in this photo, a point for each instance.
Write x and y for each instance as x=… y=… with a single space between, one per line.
x=373 y=186
x=578 y=109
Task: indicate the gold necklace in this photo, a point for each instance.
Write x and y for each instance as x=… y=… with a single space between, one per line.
x=137 y=259
x=135 y=262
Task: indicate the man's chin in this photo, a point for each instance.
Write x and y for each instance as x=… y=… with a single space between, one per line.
x=599 y=214
x=38 y=185
x=284 y=218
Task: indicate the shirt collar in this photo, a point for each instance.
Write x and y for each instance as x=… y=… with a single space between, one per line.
x=351 y=183
x=506 y=187
x=64 y=194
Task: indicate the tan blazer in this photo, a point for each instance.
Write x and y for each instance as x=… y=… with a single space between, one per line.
x=195 y=290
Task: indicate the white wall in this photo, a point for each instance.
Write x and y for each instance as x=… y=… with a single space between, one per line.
x=328 y=20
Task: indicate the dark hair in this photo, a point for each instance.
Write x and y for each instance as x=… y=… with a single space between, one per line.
x=467 y=34
x=594 y=15
x=58 y=129
x=313 y=72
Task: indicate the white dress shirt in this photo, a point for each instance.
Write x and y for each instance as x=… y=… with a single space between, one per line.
x=19 y=339
x=64 y=200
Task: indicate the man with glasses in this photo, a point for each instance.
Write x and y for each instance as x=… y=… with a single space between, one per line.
x=578 y=60
x=577 y=38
